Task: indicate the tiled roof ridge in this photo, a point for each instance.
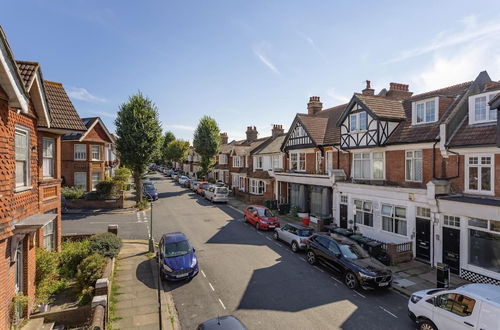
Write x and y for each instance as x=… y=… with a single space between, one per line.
x=27 y=62
x=53 y=83
x=444 y=89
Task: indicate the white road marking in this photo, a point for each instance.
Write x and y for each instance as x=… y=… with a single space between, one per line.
x=335 y=279
x=278 y=244
x=203 y=273
x=211 y=286
x=321 y=270
x=260 y=233
x=385 y=310
x=222 y=304
x=359 y=294
x=269 y=238
x=301 y=258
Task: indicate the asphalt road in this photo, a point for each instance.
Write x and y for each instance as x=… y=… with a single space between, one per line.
x=248 y=274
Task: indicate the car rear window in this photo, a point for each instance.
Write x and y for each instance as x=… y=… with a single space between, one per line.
x=304 y=232
x=222 y=190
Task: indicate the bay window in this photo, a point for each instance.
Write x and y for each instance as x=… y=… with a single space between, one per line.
x=394 y=219
x=96 y=178
x=368 y=166
x=80 y=152
x=259 y=162
x=237 y=161
x=222 y=159
x=48 y=157
x=414 y=171
x=96 y=152
x=277 y=162
x=479 y=109
x=236 y=181
x=479 y=174
x=257 y=187
x=298 y=161
x=80 y=180
x=363 y=212
x=49 y=236
x=22 y=157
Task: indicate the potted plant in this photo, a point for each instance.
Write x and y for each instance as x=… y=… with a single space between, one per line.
x=19 y=303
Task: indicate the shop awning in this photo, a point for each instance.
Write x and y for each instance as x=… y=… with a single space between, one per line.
x=35 y=221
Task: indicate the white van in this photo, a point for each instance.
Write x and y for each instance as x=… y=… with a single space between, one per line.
x=217 y=194
x=471 y=306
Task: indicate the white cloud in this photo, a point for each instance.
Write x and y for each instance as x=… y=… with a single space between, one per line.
x=337 y=97
x=259 y=51
x=311 y=42
x=470 y=32
x=180 y=127
x=82 y=94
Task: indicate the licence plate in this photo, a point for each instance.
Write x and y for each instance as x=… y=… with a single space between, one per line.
x=383 y=284
x=181 y=275
x=272 y=226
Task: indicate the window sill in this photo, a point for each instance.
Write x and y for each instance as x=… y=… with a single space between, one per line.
x=80 y=160
x=478 y=192
x=393 y=233
x=22 y=189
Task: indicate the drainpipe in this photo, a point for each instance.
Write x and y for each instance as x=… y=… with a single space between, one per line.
x=434 y=163
x=458 y=164
x=434 y=160
x=338 y=156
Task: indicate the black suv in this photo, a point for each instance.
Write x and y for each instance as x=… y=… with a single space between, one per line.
x=349 y=259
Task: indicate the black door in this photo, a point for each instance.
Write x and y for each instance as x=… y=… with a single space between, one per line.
x=423 y=239
x=451 y=249
x=343 y=216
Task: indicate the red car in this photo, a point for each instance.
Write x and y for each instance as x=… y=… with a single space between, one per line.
x=200 y=190
x=261 y=217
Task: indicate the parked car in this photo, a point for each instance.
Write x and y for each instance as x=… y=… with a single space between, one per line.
x=471 y=306
x=261 y=217
x=295 y=235
x=200 y=190
x=339 y=230
x=174 y=175
x=149 y=191
x=177 y=257
x=228 y=322
x=373 y=248
x=183 y=179
x=217 y=194
x=186 y=183
x=193 y=185
x=346 y=257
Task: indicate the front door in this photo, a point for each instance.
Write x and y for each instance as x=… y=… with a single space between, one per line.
x=423 y=239
x=451 y=249
x=343 y=216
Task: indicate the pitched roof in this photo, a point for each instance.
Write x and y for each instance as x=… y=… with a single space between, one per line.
x=383 y=107
x=62 y=112
x=259 y=175
x=495 y=102
x=478 y=134
x=332 y=134
x=27 y=70
x=405 y=132
x=315 y=126
x=274 y=145
x=244 y=147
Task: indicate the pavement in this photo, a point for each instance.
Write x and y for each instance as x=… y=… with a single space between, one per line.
x=245 y=272
x=137 y=304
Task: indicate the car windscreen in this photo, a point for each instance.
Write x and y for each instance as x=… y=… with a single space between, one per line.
x=177 y=249
x=205 y=186
x=304 y=232
x=353 y=251
x=222 y=190
x=265 y=213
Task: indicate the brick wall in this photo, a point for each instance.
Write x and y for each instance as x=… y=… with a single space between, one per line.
x=69 y=166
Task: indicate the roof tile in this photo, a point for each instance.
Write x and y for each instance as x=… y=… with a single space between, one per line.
x=62 y=112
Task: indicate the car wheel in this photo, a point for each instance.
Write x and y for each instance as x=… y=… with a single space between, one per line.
x=426 y=325
x=311 y=257
x=351 y=280
x=295 y=246
x=276 y=236
x=257 y=225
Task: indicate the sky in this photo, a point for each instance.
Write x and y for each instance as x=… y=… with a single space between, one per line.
x=248 y=62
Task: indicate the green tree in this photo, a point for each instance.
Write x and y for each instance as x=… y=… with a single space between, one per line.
x=207 y=143
x=169 y=137
x=139 y=132
x=177 y=151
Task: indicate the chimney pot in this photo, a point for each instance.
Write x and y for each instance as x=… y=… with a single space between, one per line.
x=368 y=90
x=399 y=91
x=251 y=133
x=314 y=106
x=277 y=130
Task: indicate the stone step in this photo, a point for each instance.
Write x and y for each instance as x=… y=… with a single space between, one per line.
x=48 y=326
x=33 y=324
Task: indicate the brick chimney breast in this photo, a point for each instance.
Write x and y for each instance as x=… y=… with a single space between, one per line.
x=368 y=90
x=277 y=130
x=252 y=133
x=314 y=106
x=224 y=138
x=399 y=91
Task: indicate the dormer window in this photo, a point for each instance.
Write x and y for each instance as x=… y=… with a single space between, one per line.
x=358 y=121
x=425 y=111
x=479 y=110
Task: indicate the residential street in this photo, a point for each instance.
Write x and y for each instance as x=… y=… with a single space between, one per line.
x=246 y=273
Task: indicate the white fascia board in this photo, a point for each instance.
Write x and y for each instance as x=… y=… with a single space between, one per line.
x=16 y=84
x=41 y=97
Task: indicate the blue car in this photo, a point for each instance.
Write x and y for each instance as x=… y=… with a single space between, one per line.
x=177 y=257
x=150 y=191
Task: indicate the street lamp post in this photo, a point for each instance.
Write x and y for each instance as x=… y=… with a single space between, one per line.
x=151 y=242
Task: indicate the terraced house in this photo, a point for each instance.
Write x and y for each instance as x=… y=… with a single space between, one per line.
x=419 y=171
x=32 y=123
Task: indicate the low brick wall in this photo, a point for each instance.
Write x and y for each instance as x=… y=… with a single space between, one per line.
x=249 y=198
x=71 y=317
x=94 y=204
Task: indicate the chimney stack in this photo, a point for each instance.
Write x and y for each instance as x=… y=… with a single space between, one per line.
x=277 y=130
x=251 y=133
x=223 y=138
x=399 y=91
x=368 y=90
x=314 y=106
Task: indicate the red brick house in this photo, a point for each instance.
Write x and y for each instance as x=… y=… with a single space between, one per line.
x=31 y=127
x=86 y=157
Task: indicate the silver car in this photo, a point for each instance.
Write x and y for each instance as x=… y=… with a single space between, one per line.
x=217 y=194
x=293 y=234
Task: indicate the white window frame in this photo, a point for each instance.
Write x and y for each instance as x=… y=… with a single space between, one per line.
x=319 y=161
x=27 y=161
x=257 y=187
x=362 y=210
x=410 y=174
x=451 y=221
x=80 y=155
x=237 y=161
x=329 y=161
x=259 y=162
x=371 y=160
x=93 y=151
x=49 y=236
x=222 y=159
x=424 y=103
x=277 y=162
x=301 y=164
x=236 y=181
x=241 y=183
x=393 y=218
x=84 y=186
x=489 y=117
x=479 y=179
x=357 y=120
x=47 y=158
x=93 y=183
